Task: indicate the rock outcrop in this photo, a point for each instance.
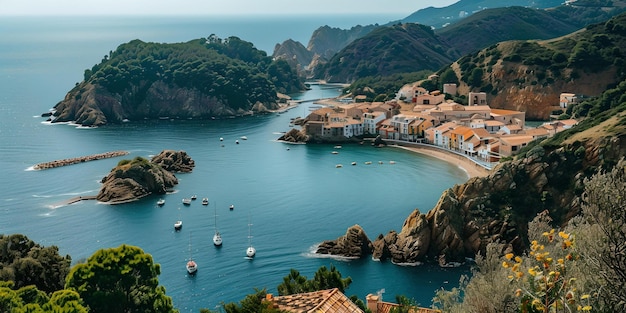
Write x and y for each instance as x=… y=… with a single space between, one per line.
x=174 y=161
x=294 y=136
x=496 y=208
x=354 y=244
x=90 y=105
x=133 y=179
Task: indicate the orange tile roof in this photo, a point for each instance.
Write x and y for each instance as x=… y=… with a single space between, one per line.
x=503 y=112
x=330 y=300
x=493 y=123
x=481 y=132
x=516 y=140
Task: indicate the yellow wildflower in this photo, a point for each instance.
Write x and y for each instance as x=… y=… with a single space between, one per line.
x=518 y=259
x=563 y=235
x=508 y=256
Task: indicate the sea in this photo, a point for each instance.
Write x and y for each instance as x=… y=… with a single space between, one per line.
x=287 y=198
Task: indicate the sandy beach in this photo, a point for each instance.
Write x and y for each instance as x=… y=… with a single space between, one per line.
x=472 y=169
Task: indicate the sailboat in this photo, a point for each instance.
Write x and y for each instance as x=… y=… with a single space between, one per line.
x=217 y=238
x=251 y=251
x=192 y=267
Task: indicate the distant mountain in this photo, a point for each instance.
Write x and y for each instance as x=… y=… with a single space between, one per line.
x=388 y=50
x=325 y=42
x=440 y=17
x=494 y=25
x=488 y=22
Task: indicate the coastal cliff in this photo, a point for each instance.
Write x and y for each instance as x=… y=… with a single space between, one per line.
x=200 y=79
x=496 y=208
x=133 y=179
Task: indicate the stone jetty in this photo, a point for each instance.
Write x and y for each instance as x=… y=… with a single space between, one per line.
x=64 y=162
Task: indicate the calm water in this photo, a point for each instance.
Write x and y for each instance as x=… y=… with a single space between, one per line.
x=292 y=194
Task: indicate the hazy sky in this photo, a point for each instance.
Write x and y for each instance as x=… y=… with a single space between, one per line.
x=211 y=7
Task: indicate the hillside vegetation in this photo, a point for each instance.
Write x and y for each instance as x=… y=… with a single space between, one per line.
x=201 y=78
x=529 y=75
x=385 y=51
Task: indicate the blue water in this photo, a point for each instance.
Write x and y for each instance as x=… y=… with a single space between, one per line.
x=293 y=195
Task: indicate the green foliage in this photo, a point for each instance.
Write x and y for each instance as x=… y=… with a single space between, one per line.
x=603 y=209
x=230 y=70
x=324 y=279
x=400 y=48
x=122 y=279
x=252 y=303
x=406 y=305
x=385 y=85
x=31 y=300
x=27 y=263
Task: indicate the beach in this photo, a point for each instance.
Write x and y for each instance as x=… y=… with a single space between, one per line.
x=470 y=167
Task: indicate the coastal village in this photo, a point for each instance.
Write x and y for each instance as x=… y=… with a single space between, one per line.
x=417 y=116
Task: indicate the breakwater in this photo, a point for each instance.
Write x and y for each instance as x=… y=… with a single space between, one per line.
x=70 y=161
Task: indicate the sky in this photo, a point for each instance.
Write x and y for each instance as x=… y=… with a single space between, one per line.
x=213 y=7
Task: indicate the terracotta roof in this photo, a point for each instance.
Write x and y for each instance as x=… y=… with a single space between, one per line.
x=516 y=140
x=503 y=112
x=330 y=300
x=493 y=123
x=481 y=132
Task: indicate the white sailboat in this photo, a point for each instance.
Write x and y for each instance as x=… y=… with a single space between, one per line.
x=178 y=225
x=192 y=266
x=251 y=251
x=217 y=238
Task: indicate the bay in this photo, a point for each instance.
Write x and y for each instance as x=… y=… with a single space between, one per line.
x=293 y=195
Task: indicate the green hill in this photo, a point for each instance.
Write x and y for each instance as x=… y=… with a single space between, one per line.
x=385 y=51
x=530 y=75
x=202 y=78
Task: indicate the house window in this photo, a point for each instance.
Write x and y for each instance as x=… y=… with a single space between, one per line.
x=426 y=101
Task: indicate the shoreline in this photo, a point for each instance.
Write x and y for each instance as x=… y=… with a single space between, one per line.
x=470 y=167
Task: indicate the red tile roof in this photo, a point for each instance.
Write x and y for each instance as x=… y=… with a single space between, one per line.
x=323 y=301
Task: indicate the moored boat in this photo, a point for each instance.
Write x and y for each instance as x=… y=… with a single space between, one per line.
x=217 y=237
x=192 y=266
x=161 y=202
x=205 y=201
x=186 y=201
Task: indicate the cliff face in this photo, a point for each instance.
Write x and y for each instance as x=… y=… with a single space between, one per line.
x=132 y=180
x=498 y=208
x=90 y=105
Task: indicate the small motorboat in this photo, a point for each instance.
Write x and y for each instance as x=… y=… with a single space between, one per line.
x=337 y=147
x=221 y=139
x=178 y=225
x=353 y=163
x=194 y=197
x=205 y=201
x=392 y=162
x=237 y=141
x=335 y=152
x=161 y=202
x=368 y=162
x=338 y=166
x=244 y=138
x=232 y=206
x=186 y=201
